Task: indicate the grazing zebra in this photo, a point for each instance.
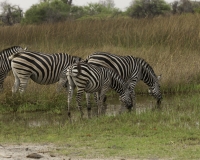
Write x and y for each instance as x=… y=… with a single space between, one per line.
x=94 y=79
x=5 y=63
x=131 y=69
x=41 y=68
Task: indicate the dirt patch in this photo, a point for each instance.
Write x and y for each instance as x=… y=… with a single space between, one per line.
x=40 y=151
x=22 y=151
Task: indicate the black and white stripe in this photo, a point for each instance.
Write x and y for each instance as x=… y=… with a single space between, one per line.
x=132 y=69
x=5 y=63
x=41 y=68
x=94 y=79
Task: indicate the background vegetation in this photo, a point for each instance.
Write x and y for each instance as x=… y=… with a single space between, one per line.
x=51 y=11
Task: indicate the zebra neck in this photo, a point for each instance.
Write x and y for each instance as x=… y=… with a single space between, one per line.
x=148 y=78
x=6 y=62
x=117 y=83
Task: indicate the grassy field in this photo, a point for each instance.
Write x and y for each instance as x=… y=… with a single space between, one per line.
x=169 y=44
x=172 y=133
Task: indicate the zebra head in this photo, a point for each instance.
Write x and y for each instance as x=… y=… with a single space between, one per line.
x=126 y=97
x=155 y=91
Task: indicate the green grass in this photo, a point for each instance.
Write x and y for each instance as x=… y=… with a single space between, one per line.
x=172 y=132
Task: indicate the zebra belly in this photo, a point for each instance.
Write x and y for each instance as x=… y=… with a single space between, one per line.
x=43 y=81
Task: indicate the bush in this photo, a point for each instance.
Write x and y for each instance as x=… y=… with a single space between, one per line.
x=47 y=12
x=147 y=8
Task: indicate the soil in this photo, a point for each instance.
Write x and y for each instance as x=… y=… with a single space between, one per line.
x=24 y=152
x=37 y=151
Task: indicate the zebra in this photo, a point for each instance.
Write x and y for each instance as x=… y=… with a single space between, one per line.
x=94 y=79
x=42 y=68
x=5 y=63
x=132 y=69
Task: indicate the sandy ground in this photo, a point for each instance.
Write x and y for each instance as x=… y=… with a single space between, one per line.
x=46 y=151
x=21 y=151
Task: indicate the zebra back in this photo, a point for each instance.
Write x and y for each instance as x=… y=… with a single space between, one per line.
x=42 y=68
x=125 y=66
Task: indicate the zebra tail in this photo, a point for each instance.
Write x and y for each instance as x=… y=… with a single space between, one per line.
x=79 y=68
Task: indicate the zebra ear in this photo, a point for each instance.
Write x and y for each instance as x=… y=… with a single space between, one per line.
x=26 y=48
x=159 y=77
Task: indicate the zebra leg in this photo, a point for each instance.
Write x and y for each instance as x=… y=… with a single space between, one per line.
x=78 y=100
x=71 y=87
x=96 y=101
x=1 y=84
x=99 y=104
x=63 y=82
x=88 y=104
x=70 y=94
x=16 y=83
x=104 y=98
x=134 y=102
x=23 y=85
x=132 y=88
x=101 y=100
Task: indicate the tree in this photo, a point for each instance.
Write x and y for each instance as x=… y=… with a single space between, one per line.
x=103 y=7
x=69 y=2
x=147 y=8
x=107 y=3
x=49 y=11
x=183 y=6
x=76 y=12
x=11 y=14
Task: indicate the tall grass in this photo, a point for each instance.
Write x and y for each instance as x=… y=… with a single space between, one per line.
x=175 y=32
x=169 y=44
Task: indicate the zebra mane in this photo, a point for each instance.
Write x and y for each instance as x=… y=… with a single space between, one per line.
x=146 y=66
x=17 y=54
x=8 y=49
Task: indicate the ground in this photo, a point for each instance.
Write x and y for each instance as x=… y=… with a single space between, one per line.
x=47 y=151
